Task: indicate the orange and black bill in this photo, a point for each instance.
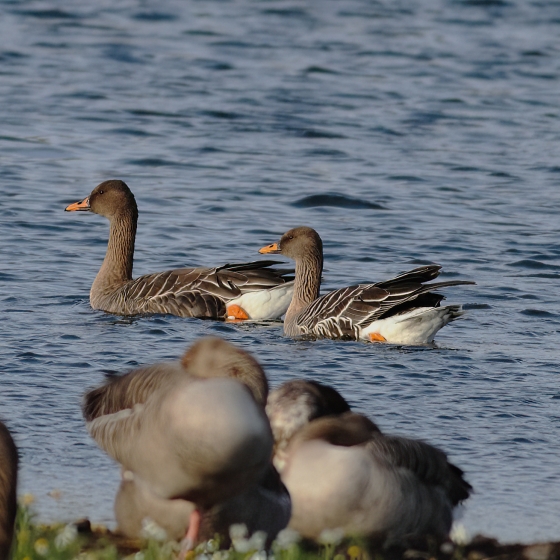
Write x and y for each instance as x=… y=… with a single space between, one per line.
x=272 y=248
x=81 y=206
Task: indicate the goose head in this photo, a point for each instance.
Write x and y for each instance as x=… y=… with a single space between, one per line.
x=297 y=243
x=109 y=199
x=295 y=404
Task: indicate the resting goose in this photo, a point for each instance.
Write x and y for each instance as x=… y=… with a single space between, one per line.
x=191 y=431
x=293 y=405
x=236 y=291
x=343 y=473
x=8 y=488
x=265 y=506
x=402 y=310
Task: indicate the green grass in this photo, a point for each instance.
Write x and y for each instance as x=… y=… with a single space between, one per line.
x=34 y=541
x=81 y=541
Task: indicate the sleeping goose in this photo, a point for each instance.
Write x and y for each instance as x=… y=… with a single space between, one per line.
x=402 y=310
x=8 y=487
x=343 y=473
x=293 y=405
x=265 y=506
x=191 y=431
x=236 y=291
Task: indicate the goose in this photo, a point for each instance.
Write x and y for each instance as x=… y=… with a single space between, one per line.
x=191 y=431
x=8 y=489
x=296 y=403
x=235 y=291
x=343 y=473
x=265 y=506
x=403 y=310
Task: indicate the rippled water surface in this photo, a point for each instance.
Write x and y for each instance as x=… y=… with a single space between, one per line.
x=404 y=132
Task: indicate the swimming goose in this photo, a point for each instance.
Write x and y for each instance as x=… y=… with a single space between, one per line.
x=8 y=488
x=343 y=473
x=236 y=291
x=402 y=310
x=194 y=431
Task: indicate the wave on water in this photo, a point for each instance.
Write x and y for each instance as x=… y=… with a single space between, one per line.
x=337 y=200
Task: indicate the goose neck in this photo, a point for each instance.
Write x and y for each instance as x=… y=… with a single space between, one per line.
x=307 y=282
x=117 y=265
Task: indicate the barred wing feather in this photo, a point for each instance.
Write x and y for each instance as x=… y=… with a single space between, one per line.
x=346 y=311
x=342 y=310
x=202 y=292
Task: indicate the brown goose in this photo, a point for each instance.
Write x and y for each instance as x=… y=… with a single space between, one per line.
x=343 y=473
x=402 y=310
x=191 y=431
x=8 y=487
x=293 y=405
x=236 y=291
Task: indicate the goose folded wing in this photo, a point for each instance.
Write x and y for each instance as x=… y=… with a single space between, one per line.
x=126 y=391
x=404 y=296
x=343 y=308
x=225 y=282
x=429 y=464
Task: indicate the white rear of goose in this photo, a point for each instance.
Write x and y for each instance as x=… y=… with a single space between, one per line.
x=265 y=304
x=417 y=326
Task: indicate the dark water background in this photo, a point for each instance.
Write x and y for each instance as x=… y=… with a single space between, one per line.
x=405 y=132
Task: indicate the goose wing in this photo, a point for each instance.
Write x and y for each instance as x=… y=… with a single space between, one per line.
x=429 y=464
x=202 y=292
x=134 y=388
x=339 y=313
x=345 y=311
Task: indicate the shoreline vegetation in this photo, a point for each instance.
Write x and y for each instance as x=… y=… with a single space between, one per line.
x=82 y=540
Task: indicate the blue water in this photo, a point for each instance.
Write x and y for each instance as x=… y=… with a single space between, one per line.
x=404 y=132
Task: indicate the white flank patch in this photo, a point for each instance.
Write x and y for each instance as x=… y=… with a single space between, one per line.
x=266 y=304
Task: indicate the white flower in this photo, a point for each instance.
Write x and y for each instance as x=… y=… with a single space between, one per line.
x=220 y=555
x=238 y=531
x=459 y=534
x=151 y=530
x=202 y=557
x=261 y=555
x=241 y=545
x=331 y=536
x=258 y=541
x=66 y=536
x=42 y=546
x=286 y=538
